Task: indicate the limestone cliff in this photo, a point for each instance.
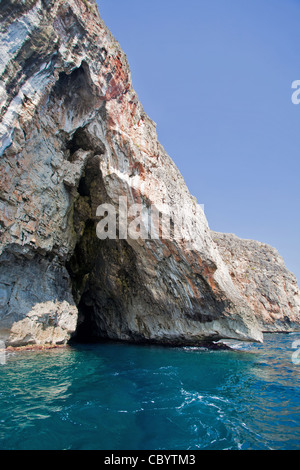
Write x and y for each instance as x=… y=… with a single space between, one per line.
x=74 y=136
x=259 y=272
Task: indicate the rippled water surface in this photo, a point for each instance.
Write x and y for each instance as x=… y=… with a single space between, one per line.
x=119 y=397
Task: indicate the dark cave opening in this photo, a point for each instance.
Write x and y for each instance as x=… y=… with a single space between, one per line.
x=103 y=272
x=85 y=329
x=80 y=266
x=103 y=279
x=86 y=258
x=83 y=140
x=76 y=90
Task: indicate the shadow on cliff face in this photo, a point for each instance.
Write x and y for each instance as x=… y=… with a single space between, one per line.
x=103 y=272
x=103 y=279
x=76 y=90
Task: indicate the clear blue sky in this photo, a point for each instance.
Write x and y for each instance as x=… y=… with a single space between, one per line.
x=216 y=77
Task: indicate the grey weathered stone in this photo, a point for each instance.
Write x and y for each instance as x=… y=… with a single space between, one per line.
x=259 y=272
x=37 y=306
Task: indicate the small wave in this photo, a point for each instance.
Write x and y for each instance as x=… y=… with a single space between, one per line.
x=236 y=345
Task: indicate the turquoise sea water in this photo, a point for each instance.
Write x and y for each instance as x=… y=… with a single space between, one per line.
x=128 y=397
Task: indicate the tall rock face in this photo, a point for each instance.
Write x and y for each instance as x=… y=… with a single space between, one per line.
x=75 y=137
